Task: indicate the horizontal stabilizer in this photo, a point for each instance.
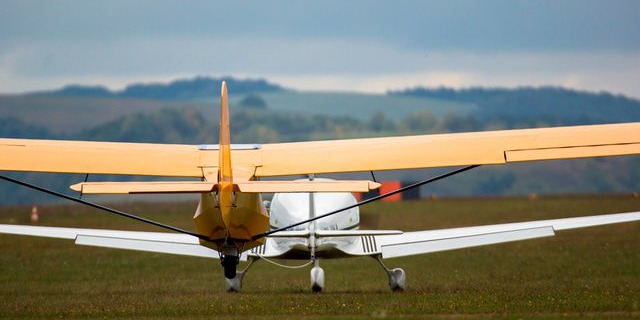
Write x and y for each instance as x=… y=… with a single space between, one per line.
x=334 y=233
x=143 y=187
x=290 y=234
x=355 y=233
x=137 y=187
x=307 y=186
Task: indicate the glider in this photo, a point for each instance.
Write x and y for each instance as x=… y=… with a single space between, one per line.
x=309 y=219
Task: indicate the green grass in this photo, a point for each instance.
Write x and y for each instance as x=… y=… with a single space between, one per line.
x=588 y=273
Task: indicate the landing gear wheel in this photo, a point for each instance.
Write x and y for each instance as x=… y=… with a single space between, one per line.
x=235 y=284
x=397 y=276
x=229 y=263
x=230 y=258
x=317 y=278
x=397 y=280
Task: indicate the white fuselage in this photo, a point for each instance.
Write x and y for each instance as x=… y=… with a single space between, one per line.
x=290 y=208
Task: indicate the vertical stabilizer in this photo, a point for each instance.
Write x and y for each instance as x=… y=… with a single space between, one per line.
x=225 y=176
x=229 y=218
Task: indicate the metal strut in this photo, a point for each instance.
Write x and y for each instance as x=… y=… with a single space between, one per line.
x=85 y=180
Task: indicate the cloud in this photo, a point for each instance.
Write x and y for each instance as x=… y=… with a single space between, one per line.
x=367 y=46
x=488 y=26
x=311 y=64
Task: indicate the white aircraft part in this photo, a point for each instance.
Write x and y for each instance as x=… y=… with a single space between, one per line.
x=290 y=234
x=317 y=279
x=583 y=222
x=72 y=233
x=290 y=208
x=350 y=242
x=415 y=239
x=276 y=247
x=146 y=245
x=355 y=233
x=421 y=247
x=171 y=243
x=333 y=233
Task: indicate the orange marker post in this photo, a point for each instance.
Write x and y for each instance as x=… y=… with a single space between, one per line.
x=389 y=186
x=34 y=214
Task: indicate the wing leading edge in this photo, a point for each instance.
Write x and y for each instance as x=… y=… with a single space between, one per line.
x=278 y=159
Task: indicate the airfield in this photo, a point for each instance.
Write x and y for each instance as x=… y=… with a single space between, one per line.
x=587 y=273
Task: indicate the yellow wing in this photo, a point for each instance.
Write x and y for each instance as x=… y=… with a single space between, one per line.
x=409 y=152
x=491 y=147
x=100 y=157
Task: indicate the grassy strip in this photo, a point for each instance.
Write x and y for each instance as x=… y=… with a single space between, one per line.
x=588 y=273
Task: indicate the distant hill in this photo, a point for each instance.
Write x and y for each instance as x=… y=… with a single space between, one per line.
x=534 y=107
x=183 y=89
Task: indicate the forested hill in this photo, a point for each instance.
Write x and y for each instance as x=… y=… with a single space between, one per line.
x=533 y=107
x=184 y=89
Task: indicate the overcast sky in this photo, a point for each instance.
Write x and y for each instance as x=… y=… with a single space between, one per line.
x=369 y=46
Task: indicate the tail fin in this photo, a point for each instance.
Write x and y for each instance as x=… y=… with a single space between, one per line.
x=225 y=175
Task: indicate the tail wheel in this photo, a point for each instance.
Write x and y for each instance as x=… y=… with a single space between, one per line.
x=229 y=263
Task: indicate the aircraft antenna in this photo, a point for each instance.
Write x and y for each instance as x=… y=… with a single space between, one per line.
x=376 y=198
x=101 y=207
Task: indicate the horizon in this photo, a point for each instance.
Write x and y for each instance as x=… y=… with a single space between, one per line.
x=122 y=87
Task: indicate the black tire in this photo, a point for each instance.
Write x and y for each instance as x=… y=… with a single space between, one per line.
x=229 y=264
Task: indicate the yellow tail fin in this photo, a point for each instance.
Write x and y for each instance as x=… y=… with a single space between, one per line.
x=225 y=175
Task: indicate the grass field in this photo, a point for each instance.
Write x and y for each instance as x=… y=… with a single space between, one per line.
x=588 y=273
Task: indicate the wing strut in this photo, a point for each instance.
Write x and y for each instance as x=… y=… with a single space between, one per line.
x=85 y=181
x=376 y=198
x=101 y=207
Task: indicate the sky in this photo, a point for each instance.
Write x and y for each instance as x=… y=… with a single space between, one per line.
x=365 y=46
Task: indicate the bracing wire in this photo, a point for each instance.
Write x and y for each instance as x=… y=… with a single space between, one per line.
x=104 y=208
x=373 y=176
x=85 y=180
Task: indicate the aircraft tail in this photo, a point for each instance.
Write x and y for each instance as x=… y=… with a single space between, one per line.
x=225 y=175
